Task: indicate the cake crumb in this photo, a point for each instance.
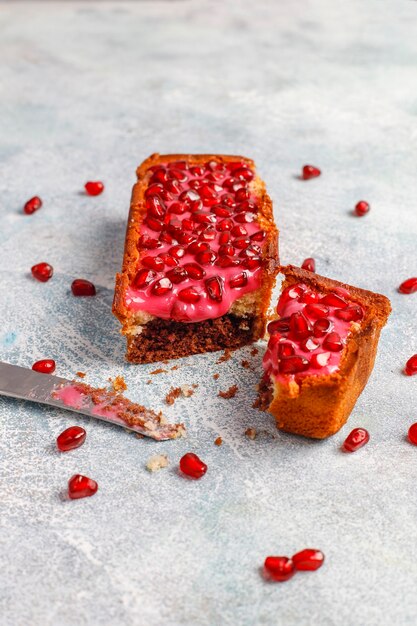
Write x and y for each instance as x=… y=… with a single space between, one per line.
x=81 y=374
x=139 y=435
x=175 y=367
x=157 y=462
x=250 y=433
x=218 y=441
x=254 y=351
x=119 y=384
x=225 y=356
x=160 y=370
x=245 y=364
x=230 y=393
x=216 y=376
x=149 y=382
x=172 y=395
x=186 y=391
x=195 y=385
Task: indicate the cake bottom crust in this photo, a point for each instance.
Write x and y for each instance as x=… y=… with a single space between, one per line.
x=165 y=339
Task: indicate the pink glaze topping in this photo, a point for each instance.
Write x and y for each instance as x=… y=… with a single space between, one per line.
x=74 y=396
x=310 y=335
x=200 y=242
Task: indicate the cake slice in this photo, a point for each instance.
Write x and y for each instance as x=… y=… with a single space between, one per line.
x=320 y=352
x=201 y=256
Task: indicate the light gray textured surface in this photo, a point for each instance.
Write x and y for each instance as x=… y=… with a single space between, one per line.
x=88 y=91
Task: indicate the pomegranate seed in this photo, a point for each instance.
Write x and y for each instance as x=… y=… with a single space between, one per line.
x=246 y=206
x=221 y=211
x=252 y=264
x=207 y=192
x=161 y=287
x=42 y=272
x=148 y=242
x=316 y=311
x=362 y=208
x=293 y=364
x=228 y=201
x=411 y=366
x=322 y=327
x=332 y=299
x=44 y=366
x=309 y=171
x=299 y=326
x=309 y=297
x=186 y=239
x=71 y=438
x=240 y=280
x=153 y=263
x=226 y=224
x=154 y=224
x=159 y=176
x=241 y=242
x=279 y=568
x=320 y=360
x=94 y=188
x=194 y=271
x=293 y=292
x=155 y=206
x=178 y=175
x=355 y=440
x=143 y=278
x=279 y=326
x=178 y=208
x=177 y=275
x=187 y=224
x=177 y=252
x=189 y=295
x=204 y=218
x=192 y=199
x=155 y=189
x=178 y=165
x=198 y=246
x=226 y=250
x=351 y=313
x=197 y=170
x=224 y=238
x=412 y=434
x=206 y=258
x=333 y=342
x=81 y=487
x=245 y=218
x=308 y=345
x=243 y=173
x=242 y=194
x=32 y=205
x=308 y=560
x=214 y=166
x=239 y=231
x=192 y=466
x=408 y=286
x=214 y=288
x=173 y=186
x=82 y=287
x=209 y=234
x=258 y=236
x=166 y=238
x=284 y=348
x=169 y=260
x=227 y=261
x=309 y=265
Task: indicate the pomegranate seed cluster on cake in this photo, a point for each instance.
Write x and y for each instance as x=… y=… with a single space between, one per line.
x=320 y=353
x=200 y=260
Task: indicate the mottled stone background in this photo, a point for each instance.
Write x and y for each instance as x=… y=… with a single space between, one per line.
x=87 y=90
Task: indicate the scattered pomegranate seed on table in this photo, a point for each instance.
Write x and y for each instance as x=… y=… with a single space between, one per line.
x=308 y=560
x=44 y=366
x=309 y=264
x=192 y=466
x=355 y=440
x=81 y=487
x=32 y=205
x=279 y=568
x=71 y=438
x=411 y=366
x=42 y=271
x=310 y=171
x=362 y=208
x=408 y=286
x=412 y=434
x=94 y=188
x=82 y=287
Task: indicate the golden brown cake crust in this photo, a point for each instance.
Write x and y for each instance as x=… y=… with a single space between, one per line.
x=137 y=213
x=318 y=406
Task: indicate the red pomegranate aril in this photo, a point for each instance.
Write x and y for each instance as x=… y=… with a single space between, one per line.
x=309 y=345
x=207 y=192
x=228 y=201
x=195 y=184
x=143 y=278
x=355 y=440
x=226 y=224
x=153 y=263
x=352 y=313
x=245 y=218
x=242 y=194
x=94 y=188
x=173 y=187
x=258 y=236
x=192 y=466
x=155 y=206
x=241 y=242
x=239 y=231
x=284 y=348
x=309 y=297
x=197 y=170
x=187 y=224
x=321 y=327
x=228 y=183
x=209 y=234
x=42 y=272
x=279 y=568
x=293 y=365
x=177 y=252
x=292 y=292
x=32 y=205
x=161 y=287
x=310 y=171
x=168 y=260
x=159 y=176
x=82 y=287
x=194 y=271
x=308 y=560
x=204 y=218
x=214 y=288
x=186 y=239
x=178 y=208
x=178 y=165
x=189 y=196
x=221 y=211
x=189 y=295
x=299 y=326
x=177 y=275
x=154 y=224
x=206 y=258
x=44 y=366
x=316 y=311
x=227 y=261
x=243 y=173
x=71 y=438
x=362 y=208
x=238 y=281
x=148 y=242
x=411 y=366
x=81 y=487
x=408 y=286
x=224 y=238
x=279 y=326
x=198 y=246
x=412 y=434
x=309 y=265
x=249 y=253
x=252 y=264
x=166 y=238
x=155 y=189
x=320 y=360
x=177 y=174
x=332 y=299
x=333 y=342
x=226 y=250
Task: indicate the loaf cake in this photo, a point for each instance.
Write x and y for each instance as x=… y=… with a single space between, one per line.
x=320 y=353
x=200 y=260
